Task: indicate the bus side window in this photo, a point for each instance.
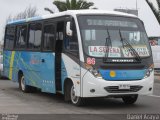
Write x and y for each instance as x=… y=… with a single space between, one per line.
x=35 y=33
x=21 y=40
x=9 y=37
x=49 y=37
x=60 y=31
x=71 y=42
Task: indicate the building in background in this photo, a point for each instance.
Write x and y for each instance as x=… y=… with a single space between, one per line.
x=129 y=11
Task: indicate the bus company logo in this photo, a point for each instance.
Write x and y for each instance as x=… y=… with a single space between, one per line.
x=34 y=61
x=122 y=60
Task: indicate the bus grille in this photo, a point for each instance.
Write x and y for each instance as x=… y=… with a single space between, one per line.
x=115 y=89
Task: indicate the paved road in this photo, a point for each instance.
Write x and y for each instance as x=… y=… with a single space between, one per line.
x=12 y=100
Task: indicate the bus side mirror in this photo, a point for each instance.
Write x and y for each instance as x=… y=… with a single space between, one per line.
x=69 y=31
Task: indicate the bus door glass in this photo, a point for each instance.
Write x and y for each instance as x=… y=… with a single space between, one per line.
x=48 y=58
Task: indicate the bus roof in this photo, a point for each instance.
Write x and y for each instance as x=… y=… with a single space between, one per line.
x=73 y=12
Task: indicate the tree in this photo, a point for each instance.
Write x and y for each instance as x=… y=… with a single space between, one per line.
x=154 y=10
x=71 y=5
x=27 y=13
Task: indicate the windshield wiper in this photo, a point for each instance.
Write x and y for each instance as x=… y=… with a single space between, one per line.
x=108 y=44
x=125 y=43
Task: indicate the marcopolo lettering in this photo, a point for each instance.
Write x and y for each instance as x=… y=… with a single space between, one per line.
x=122 y=60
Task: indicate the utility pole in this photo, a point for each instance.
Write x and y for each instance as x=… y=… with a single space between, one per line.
x=136 y=5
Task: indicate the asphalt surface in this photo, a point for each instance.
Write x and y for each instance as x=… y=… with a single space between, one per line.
x=46 y=106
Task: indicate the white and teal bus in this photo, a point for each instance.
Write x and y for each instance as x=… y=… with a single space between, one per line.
x=81 y=54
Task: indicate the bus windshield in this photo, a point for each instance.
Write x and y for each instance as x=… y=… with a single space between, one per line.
x=97 y=29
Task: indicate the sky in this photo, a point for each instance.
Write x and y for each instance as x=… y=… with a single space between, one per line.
x=12 y=7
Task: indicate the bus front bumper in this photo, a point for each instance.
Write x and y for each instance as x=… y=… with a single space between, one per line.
x=95 y=87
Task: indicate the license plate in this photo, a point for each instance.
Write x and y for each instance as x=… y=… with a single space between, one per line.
x=124 y=86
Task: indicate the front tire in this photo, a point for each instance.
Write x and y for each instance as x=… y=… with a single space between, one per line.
x=70 y=90
x=130 y=99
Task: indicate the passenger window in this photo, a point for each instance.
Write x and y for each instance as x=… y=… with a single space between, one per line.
x=21 y=40
x=49 y=37
x=9 y=37
x=35 y=33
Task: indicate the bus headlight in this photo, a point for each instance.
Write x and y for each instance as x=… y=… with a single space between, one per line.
x=92 y=70
x=149 y=71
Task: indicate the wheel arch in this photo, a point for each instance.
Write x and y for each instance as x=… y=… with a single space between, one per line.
x=67 y=82
x=20 y=72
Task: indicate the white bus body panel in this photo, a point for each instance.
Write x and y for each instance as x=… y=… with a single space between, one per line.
x=73 y=72
x=90 y=82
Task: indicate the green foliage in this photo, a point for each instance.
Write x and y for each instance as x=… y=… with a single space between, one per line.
x=72 y=5
x=154 y=10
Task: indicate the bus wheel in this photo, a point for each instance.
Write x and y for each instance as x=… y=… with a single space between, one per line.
x=78 y=101
x=130 y=99
x=22 y=85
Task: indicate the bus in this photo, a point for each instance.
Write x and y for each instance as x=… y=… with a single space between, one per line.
x=80 y=54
